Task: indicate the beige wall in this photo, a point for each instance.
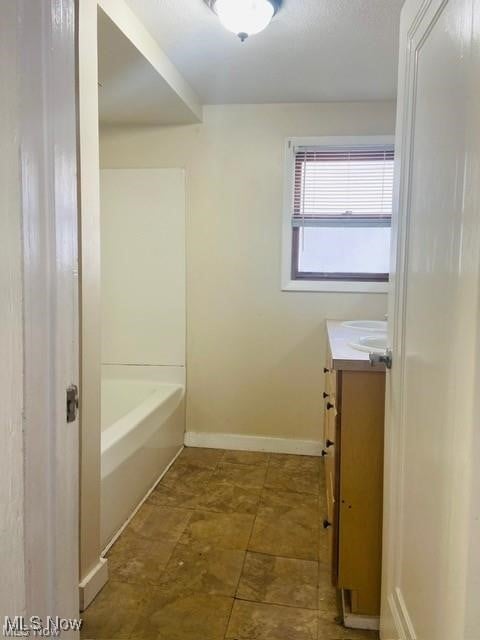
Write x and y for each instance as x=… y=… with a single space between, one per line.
x=254 y=353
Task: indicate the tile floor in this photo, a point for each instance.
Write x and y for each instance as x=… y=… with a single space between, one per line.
x=228 y=546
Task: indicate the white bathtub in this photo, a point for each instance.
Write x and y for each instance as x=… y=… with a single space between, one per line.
x=142 y=430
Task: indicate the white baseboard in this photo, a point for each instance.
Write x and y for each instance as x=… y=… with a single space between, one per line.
x=93 y=582
x=355 y=621
x=252 y=443
x=401 y=617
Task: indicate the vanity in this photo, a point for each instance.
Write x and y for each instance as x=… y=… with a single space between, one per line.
x=354 y=411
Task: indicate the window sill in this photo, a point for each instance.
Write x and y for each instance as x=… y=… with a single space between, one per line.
x=335 y=286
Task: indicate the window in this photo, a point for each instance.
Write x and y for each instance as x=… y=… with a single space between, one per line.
x=338 y=213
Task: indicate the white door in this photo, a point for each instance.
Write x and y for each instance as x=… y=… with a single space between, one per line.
x=45 y=54
x=431 y=510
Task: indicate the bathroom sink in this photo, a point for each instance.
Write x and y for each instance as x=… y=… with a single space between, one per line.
x=379 y=326
x=371 y=344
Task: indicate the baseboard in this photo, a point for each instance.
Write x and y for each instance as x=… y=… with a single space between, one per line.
x=252 y=443
x=356 y=621
x=93 y=582
x=401 y=618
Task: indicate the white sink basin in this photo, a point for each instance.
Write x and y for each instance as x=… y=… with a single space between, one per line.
x=371 y=344
x=379 y=326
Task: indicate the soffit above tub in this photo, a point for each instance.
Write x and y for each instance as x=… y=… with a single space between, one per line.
x=313 y=51
x=138 y=84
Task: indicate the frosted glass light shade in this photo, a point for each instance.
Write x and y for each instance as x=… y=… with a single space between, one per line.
x=244 y=17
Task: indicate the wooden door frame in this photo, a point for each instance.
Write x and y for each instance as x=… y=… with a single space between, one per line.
x=44 y=154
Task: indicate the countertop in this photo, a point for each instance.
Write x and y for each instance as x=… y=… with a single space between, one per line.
x=345 y=357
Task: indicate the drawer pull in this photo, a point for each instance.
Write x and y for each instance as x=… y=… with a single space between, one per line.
x=326 y=524
x=325 y=370
x=326 y=395
x=324 y=453
x=329 y=443
x=330 y=405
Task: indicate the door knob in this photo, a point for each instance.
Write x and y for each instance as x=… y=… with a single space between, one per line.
x=326 y=524
x=325 y=370
x=329 y=443
x=324 y=453
x=381 y=358
x=326 y=395
x=330 y=405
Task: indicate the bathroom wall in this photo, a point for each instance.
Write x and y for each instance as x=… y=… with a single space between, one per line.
x=254 y=353
x=143 y=267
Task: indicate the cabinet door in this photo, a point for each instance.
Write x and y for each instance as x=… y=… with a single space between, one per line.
x=331 y=418
x=361 y=480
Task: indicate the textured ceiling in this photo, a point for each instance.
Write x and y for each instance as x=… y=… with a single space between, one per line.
x=314 y=50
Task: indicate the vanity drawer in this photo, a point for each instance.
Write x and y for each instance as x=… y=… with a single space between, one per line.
x=330 y=422
x=330 y=483
x=330 y=382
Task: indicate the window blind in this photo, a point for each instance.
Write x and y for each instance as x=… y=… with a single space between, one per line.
x=343 y=186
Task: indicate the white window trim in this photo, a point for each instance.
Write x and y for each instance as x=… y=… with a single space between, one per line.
x=287 y=284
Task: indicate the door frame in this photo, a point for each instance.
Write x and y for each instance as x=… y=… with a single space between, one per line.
x=391 y=623
x=47 y=157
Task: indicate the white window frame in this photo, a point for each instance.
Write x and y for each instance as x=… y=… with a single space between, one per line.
x=287 y=284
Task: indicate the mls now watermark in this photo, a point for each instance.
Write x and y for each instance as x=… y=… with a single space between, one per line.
x=35 y=627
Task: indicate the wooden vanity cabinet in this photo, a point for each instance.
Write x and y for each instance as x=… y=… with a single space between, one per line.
x=353 y=454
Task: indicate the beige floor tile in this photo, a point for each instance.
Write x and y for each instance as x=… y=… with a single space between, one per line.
x=152 y=521
x=301 y=507
x=225 y=497
x=187 y=472
x=295 y=463
x=138 y=560
x=246 y=457
x=181 y=495
x=201 y=457
x=241 y=475
x=329 y=629
x=283 y=581
x=115 y=612
x=218 y=530
x=193 y=616
x=301 y=481
x=287 y=524
x=324 y=551
x=327 y=595
x=255 y=621
x=294 y=473
x=202 y=569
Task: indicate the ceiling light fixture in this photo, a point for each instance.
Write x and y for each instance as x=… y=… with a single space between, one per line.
x=244 y=17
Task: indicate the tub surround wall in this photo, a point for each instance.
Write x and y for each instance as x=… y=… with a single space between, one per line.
x=143 y=267
x=255 y=353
